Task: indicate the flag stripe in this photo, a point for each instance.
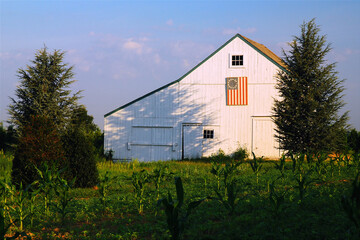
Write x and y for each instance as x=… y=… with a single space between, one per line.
x=238 y=96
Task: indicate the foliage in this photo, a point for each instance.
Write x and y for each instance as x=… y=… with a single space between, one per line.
x=81 y=119
x=62 y=191
x=226 y=175
x=351 y=204
x=276 y=198
x=5 y=165
x=268 y=210
x=256 y=165
x=281 y=165
x=230 y=198
x=139 y=182
x=43 y=91
x=302 y=173
x=80 y=156
x=353 y=140
x=103 y=188
x=109 y=155
x=240 y=154
x=39 y=143
x=48 y=177
x=175 y=220
x=159 y=175
x=8 y=138
x=306 y=115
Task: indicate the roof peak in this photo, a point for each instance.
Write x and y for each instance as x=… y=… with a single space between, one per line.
x=255 y=45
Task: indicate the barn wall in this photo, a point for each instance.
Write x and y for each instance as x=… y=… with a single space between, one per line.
x=153 y=127
x=208 y=83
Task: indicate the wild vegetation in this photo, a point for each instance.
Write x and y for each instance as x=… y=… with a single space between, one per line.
x=303 y=196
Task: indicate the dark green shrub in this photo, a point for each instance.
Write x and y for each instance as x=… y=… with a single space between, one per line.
x=240 y=154
x=353 y=140
x=7 y=138
x=80 y=155
x=39 y=143
x=5 y=165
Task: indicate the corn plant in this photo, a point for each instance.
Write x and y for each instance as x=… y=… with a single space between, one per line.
x=224 y=174
x=231 y=199
x=139 y=181
x=276 y=198
x=356 y=160
x=339 y=161
x=303 y=179
x=103 y=188
x=158 y=175
x=20 y=205
x=297 y=161
x=175 y=219
x=347 y=159
x=256 y=166
x=217 y=171
x=62 y=192
x=228 y=176
x=281 y=165
x=6 y=191
x=319 y=165
x=46 y=183
x=351 y=204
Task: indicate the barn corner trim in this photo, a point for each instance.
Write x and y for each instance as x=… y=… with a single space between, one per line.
x=198 y=65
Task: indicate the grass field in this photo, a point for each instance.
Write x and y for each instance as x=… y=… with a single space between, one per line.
x=261 y=200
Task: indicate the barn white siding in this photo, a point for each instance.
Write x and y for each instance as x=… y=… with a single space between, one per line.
x=169 y=123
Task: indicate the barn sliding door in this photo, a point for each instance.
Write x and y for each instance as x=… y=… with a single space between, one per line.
x=192 y=140
x=151 y=143
x=263 y=140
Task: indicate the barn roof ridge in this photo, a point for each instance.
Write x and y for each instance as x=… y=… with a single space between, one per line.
x=255 y=45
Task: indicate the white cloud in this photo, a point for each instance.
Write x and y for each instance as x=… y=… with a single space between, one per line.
x=350 y=51
x=170 y=22
x=157 y=58
x=133 y=46
x=186 y=63
x=233 y=31
x=250 y=30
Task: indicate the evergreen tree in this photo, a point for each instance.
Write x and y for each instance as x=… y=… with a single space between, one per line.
x=43 y=91
x=39 y=143
x=353 y=140
x=78 y=142
x=306 y=114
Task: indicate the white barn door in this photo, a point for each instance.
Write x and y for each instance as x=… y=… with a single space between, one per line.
x=151 y=143
x=263 y=139
x=192 y=140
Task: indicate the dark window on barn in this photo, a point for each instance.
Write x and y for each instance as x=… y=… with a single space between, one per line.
x=208 y=133
x=237 y=60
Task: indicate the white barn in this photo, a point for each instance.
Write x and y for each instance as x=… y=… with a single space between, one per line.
x=222 y=103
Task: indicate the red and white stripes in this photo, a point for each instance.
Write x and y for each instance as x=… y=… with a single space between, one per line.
x=238 y=96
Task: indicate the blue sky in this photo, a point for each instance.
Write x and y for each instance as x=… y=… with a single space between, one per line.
x=122 y=50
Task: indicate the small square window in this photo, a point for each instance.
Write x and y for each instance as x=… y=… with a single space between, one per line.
x=237 y=60
x=208 y=133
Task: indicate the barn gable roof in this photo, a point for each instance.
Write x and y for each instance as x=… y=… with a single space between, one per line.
x=256 y=46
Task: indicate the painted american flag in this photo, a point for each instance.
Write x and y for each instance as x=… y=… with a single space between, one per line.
x=237 y=91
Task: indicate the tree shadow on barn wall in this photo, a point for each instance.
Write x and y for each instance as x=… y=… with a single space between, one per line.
x=141 y=129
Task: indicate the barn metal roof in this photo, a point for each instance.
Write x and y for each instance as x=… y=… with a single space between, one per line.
x=255 y=45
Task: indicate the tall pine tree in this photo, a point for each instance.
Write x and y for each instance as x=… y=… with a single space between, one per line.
x=307 y=112
x=43 y=114
x=44 y=91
